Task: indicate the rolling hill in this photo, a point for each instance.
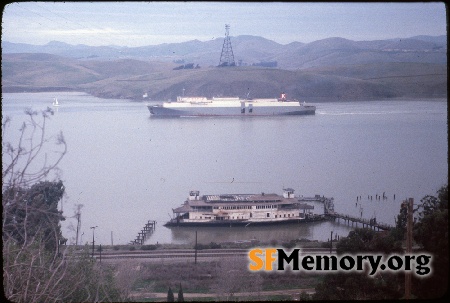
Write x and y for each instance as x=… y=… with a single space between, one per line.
x=249 y=50
x=329 y=69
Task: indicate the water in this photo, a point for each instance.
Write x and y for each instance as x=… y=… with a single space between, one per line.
x=126 y=168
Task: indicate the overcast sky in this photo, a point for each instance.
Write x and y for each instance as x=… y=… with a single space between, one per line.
x=150 y=23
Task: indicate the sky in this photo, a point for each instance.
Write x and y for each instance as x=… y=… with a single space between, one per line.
x=151 y=23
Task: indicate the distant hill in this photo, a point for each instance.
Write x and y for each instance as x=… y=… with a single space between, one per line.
x=249 y=50
x=130 y=78
x=333 y=68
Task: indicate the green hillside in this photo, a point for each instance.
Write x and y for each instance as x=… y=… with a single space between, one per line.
x=129 y=78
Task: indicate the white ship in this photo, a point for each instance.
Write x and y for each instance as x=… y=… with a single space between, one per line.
x=231 y=106
x=242 y=209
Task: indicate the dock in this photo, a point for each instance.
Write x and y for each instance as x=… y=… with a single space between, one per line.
x=145 y=233
x=366 y=223
x=328 y=210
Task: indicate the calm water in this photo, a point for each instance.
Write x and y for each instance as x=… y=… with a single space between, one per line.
x=127 y=168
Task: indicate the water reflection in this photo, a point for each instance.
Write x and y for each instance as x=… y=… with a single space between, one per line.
x=279 y=233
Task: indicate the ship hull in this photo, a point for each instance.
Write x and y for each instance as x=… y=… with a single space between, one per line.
x=199 y=111
x=315 y=218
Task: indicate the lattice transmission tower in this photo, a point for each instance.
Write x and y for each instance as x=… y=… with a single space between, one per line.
x=227 y=57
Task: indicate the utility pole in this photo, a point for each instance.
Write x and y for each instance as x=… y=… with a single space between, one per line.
x=195 y=247
x=78 y=215
x=93 y=239
x=409 y=227
x=331 y=241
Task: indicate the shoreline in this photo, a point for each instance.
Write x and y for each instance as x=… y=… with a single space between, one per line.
x=9 y=90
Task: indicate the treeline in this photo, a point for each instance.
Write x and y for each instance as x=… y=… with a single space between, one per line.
x=186 y=66
x=430 y=233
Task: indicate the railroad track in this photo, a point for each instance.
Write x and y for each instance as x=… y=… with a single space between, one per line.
x=180 y=254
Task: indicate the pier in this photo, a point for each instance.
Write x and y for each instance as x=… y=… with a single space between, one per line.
x=146 y=231
x=369 y=223
x=328 y=210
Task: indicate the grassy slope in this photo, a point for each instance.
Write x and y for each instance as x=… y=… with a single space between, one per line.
x=129 y=78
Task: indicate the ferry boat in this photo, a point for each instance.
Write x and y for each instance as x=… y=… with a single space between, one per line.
x=231 y=106
x=242 y=210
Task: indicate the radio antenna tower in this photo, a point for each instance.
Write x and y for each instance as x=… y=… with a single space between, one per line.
x=227 y=57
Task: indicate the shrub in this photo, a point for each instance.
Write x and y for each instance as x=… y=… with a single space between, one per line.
x=149 y=247
x=214 y=245
x=200 y=246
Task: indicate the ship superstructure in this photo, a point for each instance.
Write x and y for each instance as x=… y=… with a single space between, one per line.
x=241 y=209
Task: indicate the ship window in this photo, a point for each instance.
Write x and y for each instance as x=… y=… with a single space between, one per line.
x=268 y=215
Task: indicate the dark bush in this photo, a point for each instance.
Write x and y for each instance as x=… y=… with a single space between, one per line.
x=214 y=245
x=200 y=246
x=149 y=247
